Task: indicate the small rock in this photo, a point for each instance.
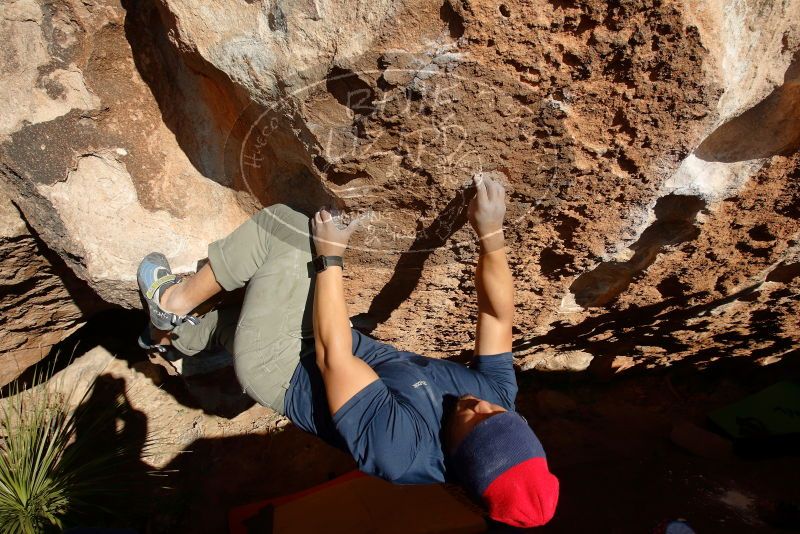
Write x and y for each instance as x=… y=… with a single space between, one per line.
x=551 y=360
x=701 y=442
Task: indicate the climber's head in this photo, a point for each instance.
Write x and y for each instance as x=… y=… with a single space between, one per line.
x=467 y=411
x=499 y=459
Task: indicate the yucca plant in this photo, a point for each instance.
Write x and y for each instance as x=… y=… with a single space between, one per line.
x=61 y=467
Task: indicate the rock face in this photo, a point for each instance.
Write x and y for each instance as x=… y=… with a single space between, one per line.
x=99 y=175
x=649 y=146
x=39 y=301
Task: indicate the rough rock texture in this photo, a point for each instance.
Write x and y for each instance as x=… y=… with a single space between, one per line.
x=649 y=148
x=41 y=302
x=173 y=425
x=99 y=176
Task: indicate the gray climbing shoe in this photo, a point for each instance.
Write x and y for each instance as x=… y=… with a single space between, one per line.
x=154 y=277
x=147 y=343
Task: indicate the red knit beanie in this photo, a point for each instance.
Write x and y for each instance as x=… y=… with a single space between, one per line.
x=502 y=461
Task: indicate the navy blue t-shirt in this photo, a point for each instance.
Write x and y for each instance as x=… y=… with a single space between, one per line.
x=392 y=427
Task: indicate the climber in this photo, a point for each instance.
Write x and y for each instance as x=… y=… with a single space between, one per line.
x=406 y=418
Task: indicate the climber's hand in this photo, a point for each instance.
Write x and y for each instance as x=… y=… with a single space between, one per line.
x=330 y=233
x=488 y=207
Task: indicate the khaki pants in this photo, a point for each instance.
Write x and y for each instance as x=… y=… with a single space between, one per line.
x=271 y=253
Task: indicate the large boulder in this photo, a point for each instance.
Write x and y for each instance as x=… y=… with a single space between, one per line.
x=87 y=156
x=636 y=138
x=649 y=148
x=40 y=299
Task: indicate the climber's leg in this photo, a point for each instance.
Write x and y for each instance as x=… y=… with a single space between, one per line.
x=232 y=261
x=271 y=253
x=214 y=332
x=182 y=298
x=274 y=327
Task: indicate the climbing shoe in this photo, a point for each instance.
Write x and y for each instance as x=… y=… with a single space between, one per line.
x=154 y=277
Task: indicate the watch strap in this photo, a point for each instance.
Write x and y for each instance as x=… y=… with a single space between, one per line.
x=323 y=262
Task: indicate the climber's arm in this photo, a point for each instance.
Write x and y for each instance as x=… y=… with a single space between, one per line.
x=493 y=280
x=495 y=288
x=344 y=374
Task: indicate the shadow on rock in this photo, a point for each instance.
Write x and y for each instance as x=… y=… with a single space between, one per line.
x=109 y=432
x=619 y=333
x=408 y=270
x=674 y=224
x=770 y=128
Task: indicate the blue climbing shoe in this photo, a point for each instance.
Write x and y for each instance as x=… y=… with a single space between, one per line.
x=154 y=277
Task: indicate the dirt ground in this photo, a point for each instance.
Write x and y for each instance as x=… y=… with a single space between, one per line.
x=607 y=440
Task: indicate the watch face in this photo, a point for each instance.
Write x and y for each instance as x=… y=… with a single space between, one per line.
x=319 y=263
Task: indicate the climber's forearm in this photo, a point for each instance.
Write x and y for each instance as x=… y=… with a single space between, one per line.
x=343 y=373
x=332 y=335
x=495 y=288
x=494 y=283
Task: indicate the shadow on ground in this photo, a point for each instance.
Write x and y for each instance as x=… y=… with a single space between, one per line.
x=116 y=330
x=607 y=442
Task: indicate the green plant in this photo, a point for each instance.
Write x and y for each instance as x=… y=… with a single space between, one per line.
x=59 y=466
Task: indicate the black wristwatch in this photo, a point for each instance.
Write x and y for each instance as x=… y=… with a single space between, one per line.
x=323 y=262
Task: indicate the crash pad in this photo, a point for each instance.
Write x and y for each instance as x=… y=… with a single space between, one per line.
x=772 y=412
x=356 y=503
